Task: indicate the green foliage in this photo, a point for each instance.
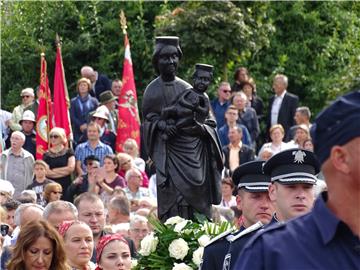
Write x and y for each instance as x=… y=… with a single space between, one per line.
x=215 y=33
x=91 y=35
x=316 y=44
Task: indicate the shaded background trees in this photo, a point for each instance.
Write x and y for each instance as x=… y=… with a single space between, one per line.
x=316 y=44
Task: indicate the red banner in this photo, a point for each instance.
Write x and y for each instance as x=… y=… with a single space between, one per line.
x=129 y=121
x=44 y=117
x=61 y=97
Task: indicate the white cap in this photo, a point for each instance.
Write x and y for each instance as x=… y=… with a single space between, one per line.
x=27 y=92
x=6 y=186
x=102 y=112
x=28 y=115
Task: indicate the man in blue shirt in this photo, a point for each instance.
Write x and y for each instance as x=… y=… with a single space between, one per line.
x=327 y=237
x=254 y=202
x=221 y=103
x=93 y=146
x=231 y=116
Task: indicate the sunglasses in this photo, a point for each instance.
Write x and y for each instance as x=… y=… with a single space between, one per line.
x=56 y=192
x=54 y=136
x=226 y=91
x=25 y=96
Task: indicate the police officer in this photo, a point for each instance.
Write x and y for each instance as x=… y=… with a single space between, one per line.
x=328 y=236
x=254 y=202
x=293 y=176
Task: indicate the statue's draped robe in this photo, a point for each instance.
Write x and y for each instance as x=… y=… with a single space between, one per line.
x=188 y=166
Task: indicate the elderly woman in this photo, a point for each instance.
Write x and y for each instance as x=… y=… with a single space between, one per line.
x=79 y=244
x=81 y=106
x=276 y=145
x=61 y=160
x=113 y=252
x=126 y=162
x=302 y=134
x=130 y=147
x=52 y=192
x=38 y=246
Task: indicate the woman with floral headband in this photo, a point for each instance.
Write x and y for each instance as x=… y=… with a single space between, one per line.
x=78 y=243
x=113 y=252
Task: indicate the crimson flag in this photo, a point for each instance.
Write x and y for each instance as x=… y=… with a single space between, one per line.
x=61 y=96
x=129 y=121
x=44 y=116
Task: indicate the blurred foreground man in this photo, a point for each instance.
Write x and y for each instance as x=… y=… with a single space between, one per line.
x=327 y=237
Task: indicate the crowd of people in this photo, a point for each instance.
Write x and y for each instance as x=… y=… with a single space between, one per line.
x=85 y=206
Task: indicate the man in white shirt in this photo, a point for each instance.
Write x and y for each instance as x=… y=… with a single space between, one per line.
x=282 y=105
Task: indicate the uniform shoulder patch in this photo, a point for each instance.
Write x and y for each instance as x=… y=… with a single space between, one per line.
x=219 y=237
x=267 y=229
x=258 y=225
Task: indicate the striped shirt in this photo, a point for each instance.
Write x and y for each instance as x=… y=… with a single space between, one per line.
x=84 y=150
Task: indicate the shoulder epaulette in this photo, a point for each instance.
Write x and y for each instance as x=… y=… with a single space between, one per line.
x=219 y=237
x=273 y=227
x=258 y=225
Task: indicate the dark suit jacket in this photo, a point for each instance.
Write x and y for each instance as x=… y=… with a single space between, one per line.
x=286 y=112
x=102 y=84
x=246 y=154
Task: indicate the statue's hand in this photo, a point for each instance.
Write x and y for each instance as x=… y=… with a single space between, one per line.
x=161 y=125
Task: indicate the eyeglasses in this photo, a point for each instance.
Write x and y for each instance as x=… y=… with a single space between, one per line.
x=57 y=192
x=54 y=136
x=25 y=96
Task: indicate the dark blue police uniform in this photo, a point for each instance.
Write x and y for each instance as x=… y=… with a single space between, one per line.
x=215 y=251
x=222 y=253
x=317 y=240
x=237 y=243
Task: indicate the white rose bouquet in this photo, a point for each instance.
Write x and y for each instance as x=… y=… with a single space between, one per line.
x=178 y=244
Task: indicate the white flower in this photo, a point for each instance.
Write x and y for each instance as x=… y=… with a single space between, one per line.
x=178 y=227
x=203 y=240
x=148 y=244
x=134 y=263
x=197 y=256
x=178 y=249
x=188 y=231
x=174 y=220
x=181 y=266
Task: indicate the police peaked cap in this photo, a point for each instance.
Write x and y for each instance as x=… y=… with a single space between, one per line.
x=293 y=166
x=250 y=176
x=336 y=125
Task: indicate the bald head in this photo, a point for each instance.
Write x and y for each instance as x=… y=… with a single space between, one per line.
x=28 y=212
x=88 y=72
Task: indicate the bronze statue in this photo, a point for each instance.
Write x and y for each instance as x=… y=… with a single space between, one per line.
x=180 y=136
